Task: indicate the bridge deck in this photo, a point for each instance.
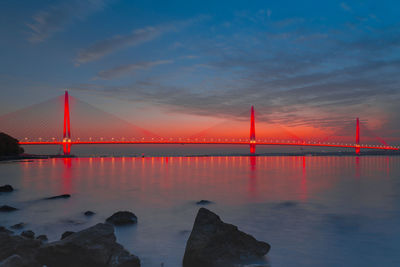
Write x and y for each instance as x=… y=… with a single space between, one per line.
x=211 y=143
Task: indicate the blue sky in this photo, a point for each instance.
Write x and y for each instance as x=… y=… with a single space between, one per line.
x=301 y=63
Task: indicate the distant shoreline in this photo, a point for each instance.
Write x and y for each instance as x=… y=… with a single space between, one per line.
x=31 y=156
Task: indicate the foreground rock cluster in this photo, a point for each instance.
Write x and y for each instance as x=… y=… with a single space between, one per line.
x=95 y=246
x=212 y=243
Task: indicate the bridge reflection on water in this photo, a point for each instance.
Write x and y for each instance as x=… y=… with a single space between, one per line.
x=226 y=179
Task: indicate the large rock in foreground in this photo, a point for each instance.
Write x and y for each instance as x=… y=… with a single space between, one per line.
x=95 y=246
x=214 y=243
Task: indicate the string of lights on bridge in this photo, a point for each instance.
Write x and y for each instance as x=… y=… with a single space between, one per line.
x=183 y=140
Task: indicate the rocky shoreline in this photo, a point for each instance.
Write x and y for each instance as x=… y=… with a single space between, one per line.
x=212 y=243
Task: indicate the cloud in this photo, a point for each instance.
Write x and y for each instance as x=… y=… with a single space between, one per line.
x=55 y=18
x=125 y=69
x=311 y=78
x=136 y=37
x=334 y=98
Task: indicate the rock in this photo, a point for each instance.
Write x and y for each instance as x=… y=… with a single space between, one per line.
x=6 y=208
x=28 y=234
x=66 y=234
x=17 y=245
x=89 y=213
x=9 y=146
x=42 y=238
x=59 y=196
x=122 y=217
x=12 y=261
x=95 y=246
x=214 y=243
x=204 y=202
x=5 y=230
x=18 y=226
x=6 y=188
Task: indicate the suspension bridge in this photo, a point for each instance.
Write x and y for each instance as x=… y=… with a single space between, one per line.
x=251 y=141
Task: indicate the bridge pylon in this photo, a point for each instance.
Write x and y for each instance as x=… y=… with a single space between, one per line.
x=358 y=137
x=252 y=132
x=67 y=127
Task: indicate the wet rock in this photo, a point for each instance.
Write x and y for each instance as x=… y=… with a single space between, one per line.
x=12 y=261
x=95 y=246
x=59 y=196
x=6 y=188
x=18 y=226
x=6 y=208
x=5 y=230
x=89 y=213
x=204 y=202
x=42 y=238
x=28 y=234
x=66 y=234
x=214 y=243
x=122 y=218
x=25 y=248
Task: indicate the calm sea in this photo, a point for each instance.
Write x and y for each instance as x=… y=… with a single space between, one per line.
x=314 y=211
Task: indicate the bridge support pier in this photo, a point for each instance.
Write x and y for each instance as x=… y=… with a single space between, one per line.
x=66 y=149
x=252 y=132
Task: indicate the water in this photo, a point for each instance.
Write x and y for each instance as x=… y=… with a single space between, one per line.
x=314 y=211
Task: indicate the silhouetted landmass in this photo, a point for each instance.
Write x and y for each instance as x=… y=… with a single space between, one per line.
x=9 y=146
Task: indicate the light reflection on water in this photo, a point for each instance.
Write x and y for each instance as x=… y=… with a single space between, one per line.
x=314 y=211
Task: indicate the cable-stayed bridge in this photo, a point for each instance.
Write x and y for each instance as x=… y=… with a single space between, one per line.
x=141 y=136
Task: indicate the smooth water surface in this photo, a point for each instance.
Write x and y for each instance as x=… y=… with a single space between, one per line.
x=314 y=211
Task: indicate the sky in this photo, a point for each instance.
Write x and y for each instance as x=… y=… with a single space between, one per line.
x=182 y=66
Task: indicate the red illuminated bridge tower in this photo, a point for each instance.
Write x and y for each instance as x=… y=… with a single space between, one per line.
x=67 y=127
x=252 y=132
x=358 y=137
